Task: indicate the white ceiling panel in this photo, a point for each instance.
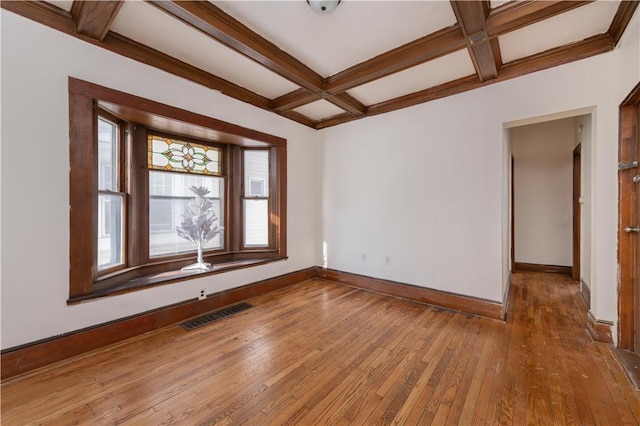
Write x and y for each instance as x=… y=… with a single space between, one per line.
x=575 y=25
x=150 y=26
x=352 y=33
x=63 y=4
x=429 y=74
x=319 y=109
x=496 y=3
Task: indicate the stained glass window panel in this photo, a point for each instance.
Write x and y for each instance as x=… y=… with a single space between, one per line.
x=180 y=156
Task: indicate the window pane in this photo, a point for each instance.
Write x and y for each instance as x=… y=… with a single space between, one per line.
x=169 y=198
x=180 y=156
x=256 y=223
x=256 y=173
x=110 y=251
x=107 y=155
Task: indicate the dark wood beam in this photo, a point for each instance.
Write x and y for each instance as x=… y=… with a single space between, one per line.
x=47 y=14
x=447 y=89
x=347 y=103
x=94 y=18
x=518 y=14
x=61 y=20
x=335 y=120
x=131 y=49
x=561 y=55
x=503 y=19
x=293 y=100
x=472 y=19
x=471 y=15
x=297 y=117
x=621 y=19
x=212 y=21
x=300 y=97
x=424 y=49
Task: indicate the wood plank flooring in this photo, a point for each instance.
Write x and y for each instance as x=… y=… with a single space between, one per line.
x=321 y=353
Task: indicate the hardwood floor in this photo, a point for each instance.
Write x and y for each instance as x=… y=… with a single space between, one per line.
x=322 y=353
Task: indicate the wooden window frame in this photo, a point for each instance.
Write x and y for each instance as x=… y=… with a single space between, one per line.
x=121 y=185
x=140 y=160
x=141 y=272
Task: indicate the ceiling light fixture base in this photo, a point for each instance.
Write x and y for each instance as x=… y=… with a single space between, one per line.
x=323 y=6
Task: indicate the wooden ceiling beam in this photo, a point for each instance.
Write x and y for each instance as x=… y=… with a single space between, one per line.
x=447 y=89
x=518 y=14
x=561 y=55
x=558 y=56
x=61 y=20
x=297 y=117
x=503 y=19
x=348 y=103
x=621 y=19
x=335 y=120
x=432 y=46
x=302 y=97
x=472 y=19
x=211 y=20
x=293 y=100
x=94 y=18
x=139 y=52
x=47 y=14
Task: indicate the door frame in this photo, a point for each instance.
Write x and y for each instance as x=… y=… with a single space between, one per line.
x=577 y=208
x=627 y=216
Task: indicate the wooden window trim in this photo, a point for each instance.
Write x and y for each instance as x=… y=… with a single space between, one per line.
x=140 y=140
x=84 y=97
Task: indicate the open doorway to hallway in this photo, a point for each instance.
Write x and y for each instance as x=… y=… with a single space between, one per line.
x=551 y=196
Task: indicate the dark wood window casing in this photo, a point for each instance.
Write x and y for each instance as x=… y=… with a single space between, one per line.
x=136 y=117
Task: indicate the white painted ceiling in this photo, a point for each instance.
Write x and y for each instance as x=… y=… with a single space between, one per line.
x=575 y=25
x=354 y=32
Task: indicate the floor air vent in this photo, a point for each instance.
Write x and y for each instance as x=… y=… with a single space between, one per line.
x=214 y=316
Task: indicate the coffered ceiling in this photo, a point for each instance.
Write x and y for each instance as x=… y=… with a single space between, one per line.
x=363 y=58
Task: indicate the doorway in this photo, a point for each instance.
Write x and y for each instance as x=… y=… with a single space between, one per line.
x=546 y=196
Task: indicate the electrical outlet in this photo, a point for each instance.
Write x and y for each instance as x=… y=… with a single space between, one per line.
x=387 y=260
x=363 y=257
x=202 y=295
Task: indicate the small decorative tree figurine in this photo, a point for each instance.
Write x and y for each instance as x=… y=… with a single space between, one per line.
x=199 y=225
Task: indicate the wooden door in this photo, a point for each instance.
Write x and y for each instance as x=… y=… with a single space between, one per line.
x=636 y=246
x=629 y=227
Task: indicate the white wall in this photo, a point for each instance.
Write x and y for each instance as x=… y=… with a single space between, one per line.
x=424 y=185
x=36 y=62
x=507 y=202
x=584 y=138
x=543 y=190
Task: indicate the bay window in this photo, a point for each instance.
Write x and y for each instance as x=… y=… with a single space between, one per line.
x=133 y=162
